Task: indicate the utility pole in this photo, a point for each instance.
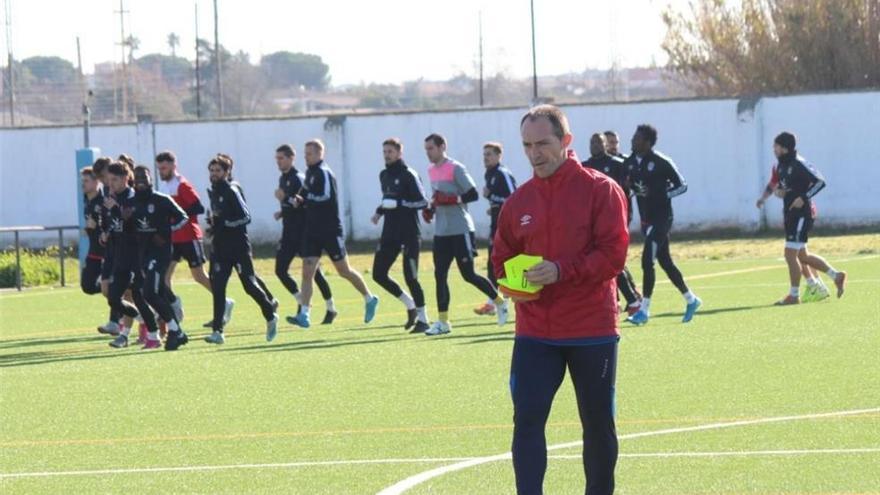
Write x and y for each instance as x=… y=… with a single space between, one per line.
x=481 y=58
x=198 y=73
x=217 y=62
x=122 y=45
x=86 y=112
x=10 y=62
x=534 y=57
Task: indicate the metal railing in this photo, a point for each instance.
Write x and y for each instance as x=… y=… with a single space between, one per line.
x=37 y=228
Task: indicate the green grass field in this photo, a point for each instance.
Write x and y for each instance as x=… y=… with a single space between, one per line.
x=354 y=409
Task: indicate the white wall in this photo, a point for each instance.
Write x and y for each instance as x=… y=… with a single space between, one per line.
x=723 y=148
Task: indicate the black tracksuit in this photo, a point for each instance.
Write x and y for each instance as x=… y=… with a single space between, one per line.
x=613 y=166
x=90 y=275
x=231 y=249
x=655 y=180
x=501 y=184
x=323 y=232
x=155 y=216
x=293 y=220
x=402 y=198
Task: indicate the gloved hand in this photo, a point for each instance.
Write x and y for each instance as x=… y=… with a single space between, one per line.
x=442 y=198
x=428 y=215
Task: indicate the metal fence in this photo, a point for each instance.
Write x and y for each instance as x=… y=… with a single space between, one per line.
x=36 y=228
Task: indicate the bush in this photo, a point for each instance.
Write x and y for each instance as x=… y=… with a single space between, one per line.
x=37 y=268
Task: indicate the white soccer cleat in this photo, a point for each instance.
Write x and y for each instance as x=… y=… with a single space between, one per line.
x=502 y=311
x=439 y=328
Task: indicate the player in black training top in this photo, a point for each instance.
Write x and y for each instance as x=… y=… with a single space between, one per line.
x=293 y=222
x=798 y=183
x=655 y=180
x=125 y=272
x=402 y=198
x=154 y=217
x=324 y=234
x=612 y=166
x=90 y=275
x=231 y=249
x=499 y=185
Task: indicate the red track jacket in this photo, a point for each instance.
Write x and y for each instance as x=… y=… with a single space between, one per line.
x=575 y=218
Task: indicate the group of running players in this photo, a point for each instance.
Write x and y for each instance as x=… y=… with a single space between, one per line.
x=139 y=230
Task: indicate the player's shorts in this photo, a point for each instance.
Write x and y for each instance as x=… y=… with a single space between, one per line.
x=90 y=276
x=461 y=247
x=289 y=247
x=314 y=245
x=191 y=251
x=797 y=229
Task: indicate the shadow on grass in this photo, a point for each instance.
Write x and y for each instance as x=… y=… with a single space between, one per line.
x=714 y=311
x=16 y=343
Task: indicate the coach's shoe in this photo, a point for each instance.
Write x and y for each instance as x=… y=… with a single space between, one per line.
x=502 y=310
x=119 y=342
x=420 y=327
x=272 y=328
x=788 y=301
x=487 y=309
x=370 y=309
x=411 y=315
x=215 y=338
x=151 y=344
x=329 y=316
x=177 y=306
x=691 y=310
x=439 y=328
x=840 y=283
x=300 y=320
x=639 y=318
x=109 y=328
x=633 y=308
x=175 y=340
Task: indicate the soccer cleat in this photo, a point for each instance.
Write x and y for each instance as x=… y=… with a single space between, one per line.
x=411 y=315
x=502 y=311
x=300 y=320
x=439 y=328
x=119 y=342
x=487 y=309
x=175 y=340
x=639 y=318
x=177 y=306
x=272 y=328
x=215 y=338
x=788 y=301
x=370 y=309
x=109 y=328
x=151 y=344
x=634 y=307
x=810 y=294
x=419 y=327
x=840 y=283
x=329 y=316
x=691 y=310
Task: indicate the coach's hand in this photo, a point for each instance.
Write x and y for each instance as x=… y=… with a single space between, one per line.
x=102 y=239
x=91 y=224
x=277 y=215
x=544 y=273
x=279 y=194
x=428 y=215
x=375 y=218
x=109 y=202
x=297 y=201
x=797 y=203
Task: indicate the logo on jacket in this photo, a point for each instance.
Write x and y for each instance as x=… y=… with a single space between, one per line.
x=151 y=209
x=525 y=220
x=143 y=224
x=650 y=166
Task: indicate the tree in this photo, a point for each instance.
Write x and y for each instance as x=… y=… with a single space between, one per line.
x=285 y=69
x=176 y=71
x=50 y=70
x=173 y=43
x=775 y=46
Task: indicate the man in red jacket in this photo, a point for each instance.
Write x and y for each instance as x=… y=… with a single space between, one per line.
x=573 y=323
x=187 y=241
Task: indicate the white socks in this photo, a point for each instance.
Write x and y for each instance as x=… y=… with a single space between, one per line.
x=153 y=335
x=832 y=273
x=689 y=297
x=368 y=297
x=173 y=326
x=330 y=306
x=646 y=305
x=423 y=314
x=407 y=301
x=794 y=292
x=305 y=310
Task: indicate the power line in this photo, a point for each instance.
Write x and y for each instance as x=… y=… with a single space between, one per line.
x=10 y=60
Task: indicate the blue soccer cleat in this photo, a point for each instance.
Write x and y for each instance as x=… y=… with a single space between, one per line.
x=300 y=320
x=370 y=309
x=691 y=310
x=640 y=318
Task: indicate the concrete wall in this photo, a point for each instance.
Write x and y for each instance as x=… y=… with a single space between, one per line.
x=723 y=148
